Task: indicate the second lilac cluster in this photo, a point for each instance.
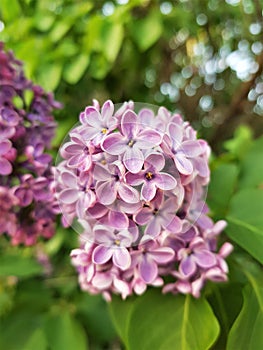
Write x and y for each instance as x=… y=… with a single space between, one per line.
x=27 y=126
x=135 y=183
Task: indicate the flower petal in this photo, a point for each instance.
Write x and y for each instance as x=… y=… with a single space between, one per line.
x=148 y=191
x=143 y=216
x=118 y=220
x=191 y=149
x=128 y=193
x=148 y=270
x=133 y=159
x=153 y=228
x=187 y=266
x=69 y=179
x=106 y=192
x=114 y=144
x=162 y=255
x=101 y=254
x=129 y=124
x=68 y=196
x=121 y=258
x=5 y=146
x=101 y=173
x=135 y=179
x=148 y=139
x=107 y=110
x=155 y=160
x=204 y=258
x=5 y=167
x=183 y=164
x=165 y=181
x=91 y=117
x=176 y=134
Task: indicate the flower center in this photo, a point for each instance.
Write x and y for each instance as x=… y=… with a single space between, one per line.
x=131 y=143
x=104 y=131
x=117 y=242
x=149 y=175
x=155 y=212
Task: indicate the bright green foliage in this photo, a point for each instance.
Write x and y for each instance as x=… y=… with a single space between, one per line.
x=155 y=321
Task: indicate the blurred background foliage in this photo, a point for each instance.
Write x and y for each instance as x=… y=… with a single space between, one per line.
x=201 y=58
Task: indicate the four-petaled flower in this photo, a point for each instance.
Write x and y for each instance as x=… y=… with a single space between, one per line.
x=130 y=142
x=151 y=177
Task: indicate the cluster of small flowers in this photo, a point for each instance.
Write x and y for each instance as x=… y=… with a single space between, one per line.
x=136 y=183
x=27 y=204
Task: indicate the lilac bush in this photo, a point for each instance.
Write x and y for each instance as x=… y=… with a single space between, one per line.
x=135 y=184
x=27 y=202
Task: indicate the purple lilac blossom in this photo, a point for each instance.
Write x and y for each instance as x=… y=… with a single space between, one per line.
x=144 y=220
x=27 y=202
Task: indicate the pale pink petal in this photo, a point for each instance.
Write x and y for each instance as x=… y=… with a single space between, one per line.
x=183 y=164
x=128 y=193
x=148 y=270
x=187 y=266
x=107 y=110
x=204 y=258
x=114 y=144
x=101 y=173
x=106 y=192
x=135 y=179
x=146 y=117
x=5 y=146
x=91 y=117
x=69 y=179
x=153 y=228
x=165 y=181
x=133 y=159
x=148 y=139
x=143 y=216
x=175 y=225
x=191 y=149
x=162 y=255
x=176 y=134
x=118 y=220
x=129 y=124
x=121 y=258
x=101 y=254
x=98 y=210
x=155 y=160
x=148 y=191
x=69 y=196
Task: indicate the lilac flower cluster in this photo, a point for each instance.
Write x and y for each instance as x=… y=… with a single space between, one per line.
x=136 y=183
x=27 y=203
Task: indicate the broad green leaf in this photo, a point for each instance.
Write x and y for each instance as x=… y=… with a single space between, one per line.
x=43 y=21
x=99 y=66
x=111 y=38
x=246 y=333
x=75 y=70
x=37 y=340
x=221 y=188
x=49 y=76
x=147 y=31
x=10 y=9
x=245 y=221
x=252 y=166
x=161 y=322
x=120 y=311
x=60 y=29
x=241 y=142
x=64 y=332
x=15 y=265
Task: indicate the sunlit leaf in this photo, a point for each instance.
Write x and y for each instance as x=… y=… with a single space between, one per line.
x=245 y=221
x=246 y=333
x=75 y=69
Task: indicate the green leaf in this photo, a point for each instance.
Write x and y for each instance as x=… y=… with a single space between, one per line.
x=241 y=142
x=148 y=30
x=245 y=221
x=10 y=9
x=49 y=76
x=120 y=312
x=60 y=29
x=15 y=265
x=64 y=332
x=157 y=321
x=111 y=38
x=37 y=340
x=99 y=67
x=246 y=333
x=252 y=166
x=75 y=70
x=221 y=188
x=43 y=21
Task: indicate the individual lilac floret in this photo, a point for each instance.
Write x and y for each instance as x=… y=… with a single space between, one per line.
x=136 y=185
x=131 y=141
x=27 y=127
